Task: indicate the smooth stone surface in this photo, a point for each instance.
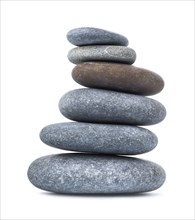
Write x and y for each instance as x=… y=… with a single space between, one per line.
x=99 y=174
x=94 y=36
x=99 y=138
x=119 y=54
x=104 y=106
x=118 y=77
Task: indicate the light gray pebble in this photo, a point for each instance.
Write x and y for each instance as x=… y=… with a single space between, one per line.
x=99 y=138
x=104 y=106
x=93 y=36
x=119 y=54
x=95 y=174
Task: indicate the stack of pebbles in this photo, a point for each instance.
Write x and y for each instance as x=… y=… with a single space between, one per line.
x=107 y=114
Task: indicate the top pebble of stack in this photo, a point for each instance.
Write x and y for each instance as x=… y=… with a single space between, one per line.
x=95 y=36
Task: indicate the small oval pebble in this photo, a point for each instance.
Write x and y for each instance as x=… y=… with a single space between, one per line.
x=100 y=174
x=119 y=54
x=99 y=138
x=119 y=77
x=104 y=106
x=94 y=36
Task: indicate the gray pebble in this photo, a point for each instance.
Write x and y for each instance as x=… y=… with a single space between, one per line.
x=95 y=174
x=93 y=36
x=99 y=138
x=119 y=54
x=104 y=106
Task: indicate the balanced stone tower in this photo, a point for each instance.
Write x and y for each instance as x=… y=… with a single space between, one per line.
x=107 y=114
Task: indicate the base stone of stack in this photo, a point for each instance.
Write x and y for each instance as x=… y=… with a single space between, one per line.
x=95 y=174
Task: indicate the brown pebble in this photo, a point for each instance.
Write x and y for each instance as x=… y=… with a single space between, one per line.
x=118 y=77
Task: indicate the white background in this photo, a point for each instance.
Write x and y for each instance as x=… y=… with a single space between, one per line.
x=36 y=73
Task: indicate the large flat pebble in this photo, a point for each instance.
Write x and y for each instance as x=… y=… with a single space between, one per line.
x=94 y=36
x=104 y=106
x=99 y=138
x=118 y=77
x=95 y=174
x=119 y=54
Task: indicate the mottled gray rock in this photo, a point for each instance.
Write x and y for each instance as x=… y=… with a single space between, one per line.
x=118 y=77
x=104 y=106
x=119 y=54
x=85 y=174
x=94 y=36
x=99 y=138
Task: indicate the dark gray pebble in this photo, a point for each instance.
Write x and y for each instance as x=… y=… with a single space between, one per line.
x=99 y=138
x=96 y=174
x=119 y=54
x=94 y=36
x=104 y=106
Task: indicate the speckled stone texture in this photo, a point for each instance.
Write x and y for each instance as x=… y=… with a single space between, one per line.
x=99 y=138
x=118 y=77
x=96 y=174
x=119 y=54
x=104 y=106
x=94 y=36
